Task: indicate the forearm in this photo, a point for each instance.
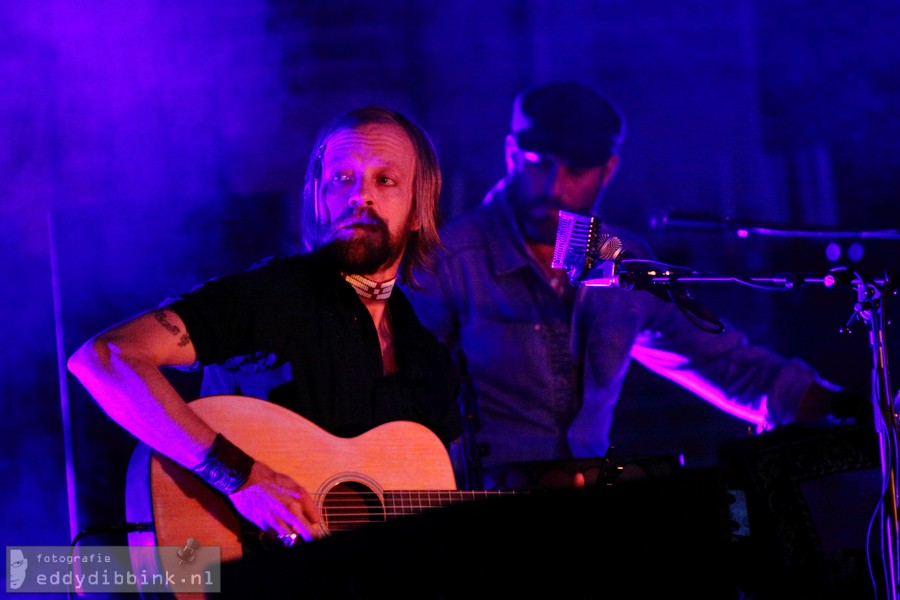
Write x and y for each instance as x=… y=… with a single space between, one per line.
x=750 y=382
x=135 y=393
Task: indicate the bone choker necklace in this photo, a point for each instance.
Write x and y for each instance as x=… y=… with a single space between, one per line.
x=367 y=288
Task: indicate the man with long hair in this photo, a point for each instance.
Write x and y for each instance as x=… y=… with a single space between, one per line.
x=351 y=353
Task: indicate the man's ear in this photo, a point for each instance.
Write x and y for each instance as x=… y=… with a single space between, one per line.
x=510 y=148
x=609 y=169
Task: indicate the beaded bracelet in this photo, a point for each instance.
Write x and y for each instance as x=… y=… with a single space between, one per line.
x=226 y=467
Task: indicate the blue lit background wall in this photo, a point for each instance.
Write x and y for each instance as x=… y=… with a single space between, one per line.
x=149 y=146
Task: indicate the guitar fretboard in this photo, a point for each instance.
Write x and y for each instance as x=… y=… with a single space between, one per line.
x=347 y=507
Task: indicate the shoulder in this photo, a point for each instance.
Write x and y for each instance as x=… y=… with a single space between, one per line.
x=296 y=268
x=264 y=267
x=285 y=264
x=468 y=228
x=267 y=281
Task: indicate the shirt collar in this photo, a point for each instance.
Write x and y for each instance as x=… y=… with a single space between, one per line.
x=507 y=246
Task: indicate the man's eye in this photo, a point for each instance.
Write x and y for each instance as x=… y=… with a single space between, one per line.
x=385 y=180
x=342 y=178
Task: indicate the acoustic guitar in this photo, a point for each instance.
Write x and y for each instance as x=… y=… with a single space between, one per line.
x=399 y=468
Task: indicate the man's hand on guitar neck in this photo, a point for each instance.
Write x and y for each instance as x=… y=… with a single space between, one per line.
x=274 y=502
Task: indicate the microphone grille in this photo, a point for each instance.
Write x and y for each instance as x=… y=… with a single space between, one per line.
x=576 y=238
x=610 y=249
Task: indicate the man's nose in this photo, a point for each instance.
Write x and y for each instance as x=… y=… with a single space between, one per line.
x=361 y=194
x=557 y=180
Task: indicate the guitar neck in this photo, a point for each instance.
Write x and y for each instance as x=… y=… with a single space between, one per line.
x=405 y=502
x=352 y=505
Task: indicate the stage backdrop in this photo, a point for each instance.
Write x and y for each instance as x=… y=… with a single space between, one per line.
x=149 y=146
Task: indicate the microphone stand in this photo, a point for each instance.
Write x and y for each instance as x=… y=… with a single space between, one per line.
x=870 y=308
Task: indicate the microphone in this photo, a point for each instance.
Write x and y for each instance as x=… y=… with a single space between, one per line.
x=593 y=259
x=580 y=248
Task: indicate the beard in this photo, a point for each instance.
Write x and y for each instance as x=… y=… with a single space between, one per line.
x=537 y=215
x=370 y=248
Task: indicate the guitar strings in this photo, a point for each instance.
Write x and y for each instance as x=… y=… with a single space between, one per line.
x=350 y=508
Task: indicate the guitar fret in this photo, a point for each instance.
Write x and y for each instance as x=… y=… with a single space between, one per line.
x=407 y=502
x=345 y=508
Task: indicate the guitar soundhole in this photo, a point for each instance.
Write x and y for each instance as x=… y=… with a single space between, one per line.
x=350 y=504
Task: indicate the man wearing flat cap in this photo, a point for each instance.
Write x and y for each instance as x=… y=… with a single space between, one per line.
x=548 y=360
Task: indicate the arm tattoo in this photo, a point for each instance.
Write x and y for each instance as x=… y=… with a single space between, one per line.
x=160 y=316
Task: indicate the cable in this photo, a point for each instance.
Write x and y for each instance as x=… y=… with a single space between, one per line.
x=125 y=527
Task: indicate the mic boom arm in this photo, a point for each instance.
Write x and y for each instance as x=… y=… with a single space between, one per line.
x=594 y=259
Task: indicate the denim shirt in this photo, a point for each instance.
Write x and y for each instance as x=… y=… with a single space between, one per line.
x=547 y=379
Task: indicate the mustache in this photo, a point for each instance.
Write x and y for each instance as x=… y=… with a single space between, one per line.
x=545 y=207
x=551 y=202
x=364 y=216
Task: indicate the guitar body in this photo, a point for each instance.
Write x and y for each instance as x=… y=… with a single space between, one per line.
x=351 y=478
